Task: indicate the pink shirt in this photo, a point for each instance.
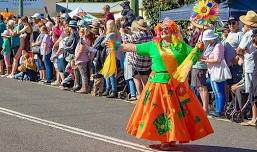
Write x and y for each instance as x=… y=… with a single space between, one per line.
x=83 y=56
x=216 y=54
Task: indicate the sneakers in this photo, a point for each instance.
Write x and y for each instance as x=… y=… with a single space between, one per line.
x=215 y=114
x=113 y=95
x=55 y=83
x=106 y=93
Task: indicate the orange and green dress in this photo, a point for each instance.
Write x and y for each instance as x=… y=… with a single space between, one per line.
x=167 y=109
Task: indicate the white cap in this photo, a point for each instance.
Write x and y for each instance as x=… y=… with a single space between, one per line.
x=37 y=16
x=209 y=35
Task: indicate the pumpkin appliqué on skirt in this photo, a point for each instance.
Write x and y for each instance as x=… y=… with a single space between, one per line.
x=168 y=112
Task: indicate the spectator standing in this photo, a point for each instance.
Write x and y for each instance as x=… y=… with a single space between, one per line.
x=141 y=65
x=107 y=14
x=128 y=66
x=6 y=51
x=111 y=82
x=2 y=28
x=199 y=70
x=248 y=50
x=46 y=52
x=24 y=34
x=214 y=58
x=231 y=43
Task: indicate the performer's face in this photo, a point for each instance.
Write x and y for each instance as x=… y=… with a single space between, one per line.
x=166 y=34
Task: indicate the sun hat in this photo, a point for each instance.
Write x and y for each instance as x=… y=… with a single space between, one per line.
x=73 y=23
x=5 y=34
x=140 y=24
x=249 y=19
x=209 y=35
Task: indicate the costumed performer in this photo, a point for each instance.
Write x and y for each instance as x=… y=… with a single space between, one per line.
x=167 y=110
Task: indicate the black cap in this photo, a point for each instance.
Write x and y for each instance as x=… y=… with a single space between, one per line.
x=232 y=18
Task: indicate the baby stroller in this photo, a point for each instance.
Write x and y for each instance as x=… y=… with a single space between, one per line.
x=121 y=85
x=239 y=108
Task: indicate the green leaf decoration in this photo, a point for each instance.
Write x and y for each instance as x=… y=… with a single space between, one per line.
x=147 y=95
x=163 y=123
x=182 y=114
x=182 y=103
x=141 y=125
x=197 y=119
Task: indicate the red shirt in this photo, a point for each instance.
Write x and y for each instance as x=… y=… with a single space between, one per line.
x=109 y=16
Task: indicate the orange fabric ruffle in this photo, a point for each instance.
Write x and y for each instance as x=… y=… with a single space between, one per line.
x=168 y=112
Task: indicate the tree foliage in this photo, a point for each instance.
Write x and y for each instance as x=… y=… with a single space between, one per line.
x=153 y=8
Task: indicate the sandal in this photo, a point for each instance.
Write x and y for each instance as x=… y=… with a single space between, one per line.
x=166 y=146
x=248 y=123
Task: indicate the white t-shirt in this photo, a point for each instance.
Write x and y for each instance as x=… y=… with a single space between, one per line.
x=230 y=44
x=246 y=43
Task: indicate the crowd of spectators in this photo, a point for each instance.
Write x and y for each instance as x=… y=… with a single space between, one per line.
x=70 y=53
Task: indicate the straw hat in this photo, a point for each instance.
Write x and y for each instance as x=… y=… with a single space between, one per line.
x=249 y=19
x=140 y=25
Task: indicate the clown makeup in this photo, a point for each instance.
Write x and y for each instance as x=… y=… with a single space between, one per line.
x=166 y=34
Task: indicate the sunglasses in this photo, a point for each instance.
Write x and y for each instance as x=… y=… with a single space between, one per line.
x=232 y=23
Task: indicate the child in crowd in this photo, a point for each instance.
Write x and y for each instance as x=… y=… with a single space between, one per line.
x=6 y=51
x=98 y=61
x=27 y=69
x=59 y=54
x=82 y=61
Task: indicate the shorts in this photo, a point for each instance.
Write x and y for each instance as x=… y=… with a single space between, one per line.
x=14 y=51
x=40 y=63
x=7 y=59
x=198 y=77
x=135 y=72
x=61 y=64
x=248 y=81
x=237 y=73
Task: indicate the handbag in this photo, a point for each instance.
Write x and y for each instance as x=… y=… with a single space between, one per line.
x=35 y=49
x=220 y=72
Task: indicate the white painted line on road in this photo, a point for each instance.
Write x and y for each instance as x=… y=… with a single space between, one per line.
x=77 y=131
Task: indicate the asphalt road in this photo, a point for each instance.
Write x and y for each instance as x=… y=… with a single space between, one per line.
x=37 y=118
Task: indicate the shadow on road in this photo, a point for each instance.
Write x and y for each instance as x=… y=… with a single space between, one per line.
x=204 y=148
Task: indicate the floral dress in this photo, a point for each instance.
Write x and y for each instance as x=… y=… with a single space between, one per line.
x=167 y=109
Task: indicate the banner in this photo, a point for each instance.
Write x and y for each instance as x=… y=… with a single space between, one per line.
x=27 y=4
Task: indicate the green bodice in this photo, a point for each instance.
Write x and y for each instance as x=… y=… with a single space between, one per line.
x=160 y=72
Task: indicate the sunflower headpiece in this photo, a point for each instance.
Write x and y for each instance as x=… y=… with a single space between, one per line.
x=205 y=12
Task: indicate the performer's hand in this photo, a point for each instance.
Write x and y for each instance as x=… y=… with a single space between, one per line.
x=109 y=44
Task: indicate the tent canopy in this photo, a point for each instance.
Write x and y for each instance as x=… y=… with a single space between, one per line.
x=83 y=14
x=228 y=8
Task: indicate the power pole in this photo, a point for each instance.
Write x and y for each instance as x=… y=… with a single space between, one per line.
x=135 y=6
x=67 y=6
x=21 y=7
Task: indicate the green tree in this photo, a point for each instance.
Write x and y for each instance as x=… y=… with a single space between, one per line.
x=153 y=8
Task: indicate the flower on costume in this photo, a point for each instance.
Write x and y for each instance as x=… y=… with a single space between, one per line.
x=163 y=123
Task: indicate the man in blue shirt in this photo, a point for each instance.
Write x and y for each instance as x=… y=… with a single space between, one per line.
x=2 y=28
